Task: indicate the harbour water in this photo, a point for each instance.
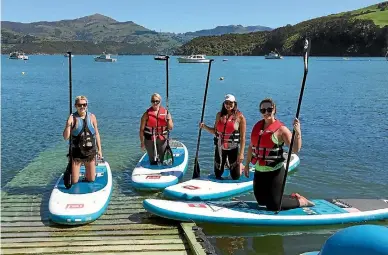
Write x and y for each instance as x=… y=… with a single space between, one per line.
x=343 y=118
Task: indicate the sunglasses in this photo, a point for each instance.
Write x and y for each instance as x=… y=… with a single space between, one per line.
x=82 y=105
x=269 y=110
x=228 y=103
x=155 y=101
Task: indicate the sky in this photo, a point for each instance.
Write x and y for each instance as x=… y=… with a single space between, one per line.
x=180 y=16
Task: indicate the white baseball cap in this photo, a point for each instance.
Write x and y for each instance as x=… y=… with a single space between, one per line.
x=230 y=97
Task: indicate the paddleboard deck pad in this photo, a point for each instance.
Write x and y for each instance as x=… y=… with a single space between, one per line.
x=210 y=188
x=155 y=177
x=325 y=212
x=85 y=201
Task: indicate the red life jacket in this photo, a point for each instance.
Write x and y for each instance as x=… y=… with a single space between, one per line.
x=264 y=150
x=228 y=137
x=156 y=126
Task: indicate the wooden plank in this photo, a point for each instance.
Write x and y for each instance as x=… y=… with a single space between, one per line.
x=90 y=233
x=46 y=218
x=195 y=246
x=91 y=243
x=24 y=203
x=87 y=238
x=38 y=208
x=38 y=222
x=45 y=212
x=87 y=227
x=36 y=199
x=109 y=248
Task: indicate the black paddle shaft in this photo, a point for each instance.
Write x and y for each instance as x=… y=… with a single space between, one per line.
x=168 y=148
x=167 y=57
x=306 y=53
x=197 y=172
x=67 y=177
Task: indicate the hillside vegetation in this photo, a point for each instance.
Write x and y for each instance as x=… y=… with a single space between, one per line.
x=362 y=32
x=96 y=33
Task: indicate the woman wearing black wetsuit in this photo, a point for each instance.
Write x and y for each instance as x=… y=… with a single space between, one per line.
x=266 y=154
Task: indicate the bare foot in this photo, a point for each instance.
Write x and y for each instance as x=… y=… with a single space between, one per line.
x=303 y=202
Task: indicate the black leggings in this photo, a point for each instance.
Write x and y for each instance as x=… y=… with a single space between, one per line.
x=219 y=164
x=267 y=187
x=160 y=149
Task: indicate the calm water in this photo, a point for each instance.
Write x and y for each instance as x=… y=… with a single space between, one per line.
x=343 y=117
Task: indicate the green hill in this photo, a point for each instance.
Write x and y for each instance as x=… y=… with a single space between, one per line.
x=96 y=33
x=362 y=32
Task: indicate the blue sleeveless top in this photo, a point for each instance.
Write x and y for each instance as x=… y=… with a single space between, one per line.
x=80 y=122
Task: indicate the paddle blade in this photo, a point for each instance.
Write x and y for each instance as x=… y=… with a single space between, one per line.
x=67 y=176
x=168 y=158
x=306 y=51
x=196 y=172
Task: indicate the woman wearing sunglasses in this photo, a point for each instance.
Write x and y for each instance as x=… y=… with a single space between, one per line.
x=86 y=143
x=229 y=130
x=265 y=152
x=154 y=125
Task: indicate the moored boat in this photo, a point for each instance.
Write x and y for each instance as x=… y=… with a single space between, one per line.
x=273 y=55
x=194 y=59
x=18 y=55
x=105 y=58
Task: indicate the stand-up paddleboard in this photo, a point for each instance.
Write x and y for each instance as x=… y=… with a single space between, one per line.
x=210 y=188
x=325 y=212
x=85 y=201
x=155 y=177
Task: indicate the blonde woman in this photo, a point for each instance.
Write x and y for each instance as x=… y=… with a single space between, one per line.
x=86 y=143
x=154 y=125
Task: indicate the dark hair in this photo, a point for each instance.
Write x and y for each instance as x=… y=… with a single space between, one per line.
x=268 y=100
x=225 y=112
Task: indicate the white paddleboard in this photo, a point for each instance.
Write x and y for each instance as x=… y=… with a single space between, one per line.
x=325 y=212
x=156 y=177
x=210 y=188
x=84 y=202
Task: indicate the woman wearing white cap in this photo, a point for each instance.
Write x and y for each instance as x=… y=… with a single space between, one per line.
x=229 y=130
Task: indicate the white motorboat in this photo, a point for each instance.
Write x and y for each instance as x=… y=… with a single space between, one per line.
x=194 y=59
x=105 y=58
x=18 y=55
x=273 y=55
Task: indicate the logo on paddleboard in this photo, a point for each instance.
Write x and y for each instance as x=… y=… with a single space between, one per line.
x=191 y=187
x=153 y=177
x=197 y=205
x=74 y=206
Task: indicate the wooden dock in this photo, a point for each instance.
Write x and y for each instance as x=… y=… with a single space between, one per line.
x=125 y=228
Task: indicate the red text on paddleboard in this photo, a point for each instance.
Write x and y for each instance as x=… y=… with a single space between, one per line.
x=191 y=187
x=197 y=205
x=153 y=177
x=74 y=206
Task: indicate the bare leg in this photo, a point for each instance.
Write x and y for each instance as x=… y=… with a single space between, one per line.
x=90 y=170
x=75 y=171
